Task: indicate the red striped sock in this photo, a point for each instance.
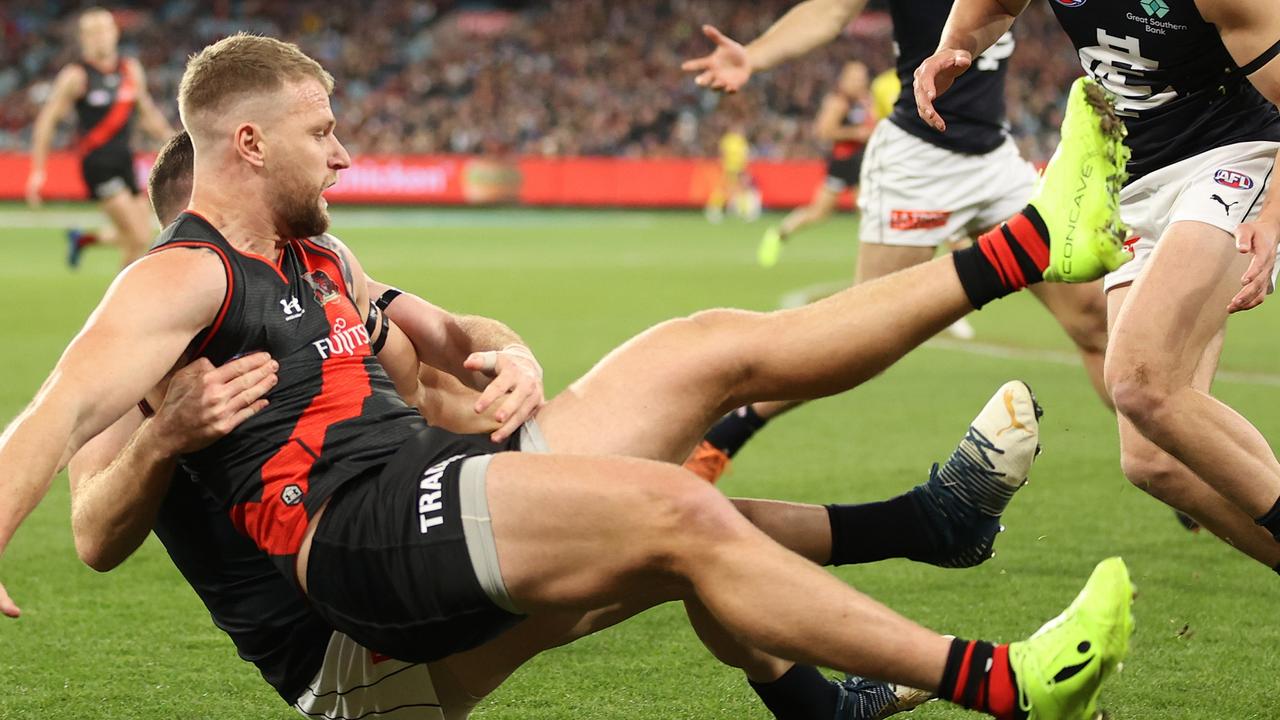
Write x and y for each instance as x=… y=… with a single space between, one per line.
x=978 y=676
x=1004 y=260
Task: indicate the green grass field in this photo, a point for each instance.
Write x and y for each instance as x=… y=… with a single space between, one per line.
x=136 y=643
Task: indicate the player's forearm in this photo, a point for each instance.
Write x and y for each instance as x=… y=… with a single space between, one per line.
x=806 y=26
x=1270 y=212
x=30 y=452
x=975 y=25
x=113 y=510
x=156 y=124
x=41 y=139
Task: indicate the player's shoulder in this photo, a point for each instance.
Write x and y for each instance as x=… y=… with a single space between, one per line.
x=73 y=75
x=329 y=241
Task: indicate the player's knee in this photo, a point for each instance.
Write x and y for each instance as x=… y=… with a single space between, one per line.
x=1139 y=392
x=690 y=516
x=1088 y=329
x=721 y=333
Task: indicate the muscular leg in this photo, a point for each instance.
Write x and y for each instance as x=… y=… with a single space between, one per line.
x=132 y=219
x=627 y=526
x=1170 y=315
x=656 y=394
x=1082 y=312
x=1165 y=478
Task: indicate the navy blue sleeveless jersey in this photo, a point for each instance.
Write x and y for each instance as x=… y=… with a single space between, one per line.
x=264 y=613
x=974 y=106
x=1176 y=85
x=104 y=114
x=333 y=417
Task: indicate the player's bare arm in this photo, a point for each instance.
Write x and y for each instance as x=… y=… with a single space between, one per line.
x=120 y=477
x=806 y=26
x=830 y=125
x=135 y=336
x=69 y=85
x=972 y=27
x=149 y=115
x=484 y=354
x=481 y=352
x=1251 y=31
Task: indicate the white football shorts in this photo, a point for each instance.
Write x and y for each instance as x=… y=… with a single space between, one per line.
x=917 y=194
x=1223 y=187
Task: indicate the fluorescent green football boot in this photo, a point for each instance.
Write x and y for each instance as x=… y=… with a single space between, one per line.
x=1062 y=667
x=770 y=248
x=1079 y=194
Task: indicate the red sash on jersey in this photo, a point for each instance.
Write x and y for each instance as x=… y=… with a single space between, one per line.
x=116 y=118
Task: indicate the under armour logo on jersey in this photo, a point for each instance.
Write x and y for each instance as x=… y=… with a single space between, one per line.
x=292 y=308
x=1225 y=205
x=291 y=495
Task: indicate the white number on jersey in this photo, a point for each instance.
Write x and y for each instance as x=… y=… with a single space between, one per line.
x=1117 y=63
x=989 y=61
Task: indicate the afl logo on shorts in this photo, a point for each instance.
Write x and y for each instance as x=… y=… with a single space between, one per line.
x=1233 y=179
x=1070 y=3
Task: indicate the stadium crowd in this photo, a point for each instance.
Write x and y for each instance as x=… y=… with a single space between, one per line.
x=559 y=77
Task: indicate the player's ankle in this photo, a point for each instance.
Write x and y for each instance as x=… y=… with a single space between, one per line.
x=1004 y=260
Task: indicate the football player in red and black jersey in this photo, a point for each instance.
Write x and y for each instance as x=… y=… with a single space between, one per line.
x=845 y=120
x=107 y=92
x=421 y=544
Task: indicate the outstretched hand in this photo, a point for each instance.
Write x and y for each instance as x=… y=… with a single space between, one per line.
x=726 y=69
x=515 y=372
x=934 y=77
x=1258 y=239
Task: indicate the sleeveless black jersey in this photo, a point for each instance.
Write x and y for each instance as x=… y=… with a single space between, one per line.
x=974 y=106
x=265 y=614
x=1176 y=85
x=104 y=114
x=333 y=417
x=859 y=113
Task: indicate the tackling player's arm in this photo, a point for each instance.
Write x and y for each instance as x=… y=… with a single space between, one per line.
x=1251 y=32
x=134 y=337
x=806 y=26
x=830 y=125
x=69 y=85
x=484 y=354
x=119 y=478
x=972 y=27
x=149 y=115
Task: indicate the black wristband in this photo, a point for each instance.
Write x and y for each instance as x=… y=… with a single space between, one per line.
x=387 y=298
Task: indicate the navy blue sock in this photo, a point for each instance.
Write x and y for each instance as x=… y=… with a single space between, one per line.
x=1271 y=521
x=870 y=532
x=735 y=429
x=802 y=693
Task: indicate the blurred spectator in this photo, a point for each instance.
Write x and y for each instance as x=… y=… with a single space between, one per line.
x=558 y=77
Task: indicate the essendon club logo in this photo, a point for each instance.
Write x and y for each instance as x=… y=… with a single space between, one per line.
x=1233 y=179
x=325 y=288
x=918 y=219
x=1070 y=3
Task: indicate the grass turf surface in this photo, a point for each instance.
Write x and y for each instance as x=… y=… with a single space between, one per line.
x=136 y=643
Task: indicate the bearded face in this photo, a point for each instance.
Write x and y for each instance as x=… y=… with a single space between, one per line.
x=296 y=203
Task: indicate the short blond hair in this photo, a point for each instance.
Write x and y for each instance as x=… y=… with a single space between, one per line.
x=239 y=66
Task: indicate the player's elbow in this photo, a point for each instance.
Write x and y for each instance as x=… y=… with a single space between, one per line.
x=93 y=546
x=97 y=554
